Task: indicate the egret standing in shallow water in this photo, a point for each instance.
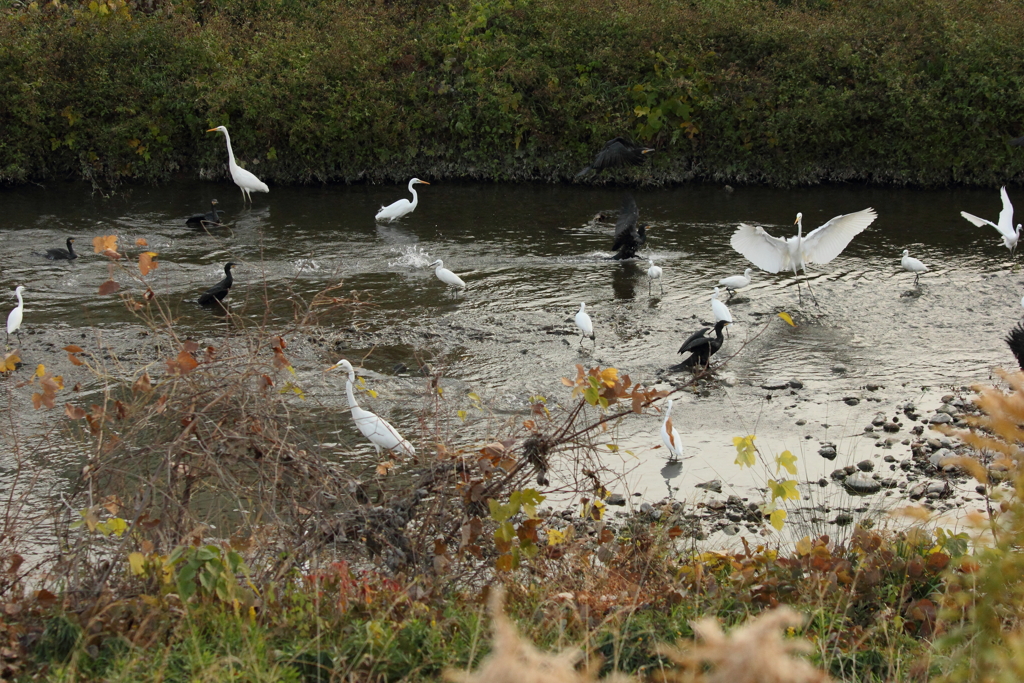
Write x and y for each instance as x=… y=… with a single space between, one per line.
x=1005 y=224
x=735 y=282
x=913 y=265
x=654 y=273
x=380 y=433
x=402 y=207
x=16 y=315
x=585 y=324
x=446 y=276
x=245 y=180
x=820 y=245
x=670 y=436
x=719 y=309
x=617 y=152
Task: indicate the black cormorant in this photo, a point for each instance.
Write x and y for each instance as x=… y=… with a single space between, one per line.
x=700 y=347
x=630 y=235
x=1016 y=342
x=217 y=293
x=62 y=254
x=206 y=219
x=617 y=152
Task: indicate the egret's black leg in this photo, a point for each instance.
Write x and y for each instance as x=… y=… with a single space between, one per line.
x=813 y=298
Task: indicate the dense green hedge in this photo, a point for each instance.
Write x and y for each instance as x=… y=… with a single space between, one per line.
x=891 y=91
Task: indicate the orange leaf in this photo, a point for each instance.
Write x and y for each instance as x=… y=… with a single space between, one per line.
x=74 y=412
x=183 y=364
x=104 y=243
x=146 y=262
x=74 y=349
x=109 y=287
x=141 y=242
x=37 y=400
x=142 y=383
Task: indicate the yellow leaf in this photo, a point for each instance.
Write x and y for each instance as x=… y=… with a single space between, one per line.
x=787 y=460
x=745 y=452
x=137 y=563
x=462 y=415
x=785 y=316
x=40 y=370
x=803 y=546
x=785 y=490
x=609 y=376
x=555 y=537
x=373 y=393
x=778 y=519
x=612 y=447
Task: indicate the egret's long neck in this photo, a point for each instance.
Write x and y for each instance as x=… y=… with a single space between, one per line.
x=415 y=197
x=668 y=414
x=21 y=303
x=799 y=221
x=231 y=154
x=348 y=390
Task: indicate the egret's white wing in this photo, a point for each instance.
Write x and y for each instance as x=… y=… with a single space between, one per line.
x=1005 y=225
x=823 y=244
x=757 y=246
x=980 y=222
x=720 y=311
x=248 y=180
x=379 y=431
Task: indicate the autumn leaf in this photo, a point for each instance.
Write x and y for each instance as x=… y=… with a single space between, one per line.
x=72 y=354
x=785 y=490
x=141 y=242
x=745 y=452
x=142 y=384
x=104 y=243
x=10 y=362
x=555 y=537
x=384 y=467
x=109 y=287
x=610 y=376
x=789 y=320
x=787 y=460
x=146 y=262
x=777 y=519
x=40 y=370
x=137 y=563
x=184 y=363
x=74 y=412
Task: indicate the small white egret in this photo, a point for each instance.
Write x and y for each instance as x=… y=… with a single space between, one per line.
x=16 y=315
x=245 y=180
x=701 y=347
x=719 y=309
x=585 y=324
x=913 y=265
x=446 y=276
x=821 y=245
x=670 y=436
x=1005 y=224
x=380 y=433
x=217 y=293
x=402 y=207
x=654 y=273
x=735 y=282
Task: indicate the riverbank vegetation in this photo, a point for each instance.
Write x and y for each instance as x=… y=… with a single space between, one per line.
x=221 y=525
x=745 y=91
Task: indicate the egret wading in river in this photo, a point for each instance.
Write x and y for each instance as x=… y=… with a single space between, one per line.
x=617 y=152
x=719 y=309
x=913 y=265
x=701 y=347
x=630 y=234
x=59 y=254
x=735 y=282
x=654 y=273
x=246 y=181
x=402 y=207
x=1005 y=224
x=16 y=315
x=820 y=245
x=217 y=293
x=670 y=436
x=380 y=433
x=211 y=219
x=446 y=276
x=585 y=324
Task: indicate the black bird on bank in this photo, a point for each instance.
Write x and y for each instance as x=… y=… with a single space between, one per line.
x=217 y=293
x=701 y=347
x=617 y=152
x=1015 y=340
x=211 y=219
x=62 y=254
x=630 y=235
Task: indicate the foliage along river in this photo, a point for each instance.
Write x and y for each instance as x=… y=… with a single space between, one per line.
x=530 y=254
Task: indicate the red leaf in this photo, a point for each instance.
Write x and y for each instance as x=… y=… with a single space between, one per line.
x=109 y=287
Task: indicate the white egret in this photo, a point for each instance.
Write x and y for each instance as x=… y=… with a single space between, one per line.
x=217 y=293
x=402 y=207
x=821 y=245
x=617 y=152
x=913 y=265
x=701 y=347
x=670 y=436
x=16 y=315
x=585 y=324
x=446 y=276
x=211 y=219
x=1005 y=224
x=654 y=273
x=61 y=254
x=630 y=234
x=719 y=309
x=245 y=180
x=380 y=433
x=735 y=282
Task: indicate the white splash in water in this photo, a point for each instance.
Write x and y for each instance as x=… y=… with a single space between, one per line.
x=411 y=256
x=305 y=264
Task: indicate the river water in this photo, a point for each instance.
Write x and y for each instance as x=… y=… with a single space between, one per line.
x=530 y=254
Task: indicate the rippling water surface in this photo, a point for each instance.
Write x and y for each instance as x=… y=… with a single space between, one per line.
x=530 y=255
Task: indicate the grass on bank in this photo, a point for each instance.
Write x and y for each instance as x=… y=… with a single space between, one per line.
x=773 y=91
